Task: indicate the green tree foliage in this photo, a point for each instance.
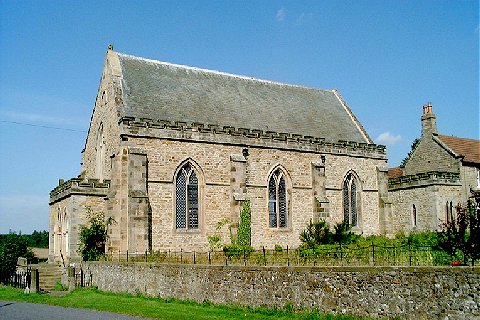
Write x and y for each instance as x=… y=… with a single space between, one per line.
x=241 y=244
x=38 y=239
x=12 y=246
x=410 y=153
x=94 y=235
x=215 y=240
x=315 y=234
x=460 y=237
x=244 y=233
x=319 y=233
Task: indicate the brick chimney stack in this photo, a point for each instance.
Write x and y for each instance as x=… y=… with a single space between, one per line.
x=429 y=120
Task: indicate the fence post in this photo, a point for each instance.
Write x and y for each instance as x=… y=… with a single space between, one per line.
x=181 y=255
x=194 y=258
x=71 y=278
x=341 y=253
x=145 y=255
x=264 y=256
x=35 y=287
x=127 y=255
x=288 y=257
x=410 y=253
x=209 y=258
x=244 y=258
x=373 y=253
x=81 y=277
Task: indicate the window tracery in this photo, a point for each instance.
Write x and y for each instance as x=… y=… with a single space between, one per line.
x=277 y=200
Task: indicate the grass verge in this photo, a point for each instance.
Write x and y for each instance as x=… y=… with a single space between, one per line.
x=157 y=308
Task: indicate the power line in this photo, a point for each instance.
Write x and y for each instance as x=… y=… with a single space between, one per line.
x=41 y=126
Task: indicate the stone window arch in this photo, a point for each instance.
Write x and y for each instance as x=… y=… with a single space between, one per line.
x=279 y=189
x=99 y=153
x=351 y=191
x=188 y=182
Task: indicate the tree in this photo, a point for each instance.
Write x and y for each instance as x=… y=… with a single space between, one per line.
x=460 y=237
x=315 y=234
x=410 y=153
x=94 y=235
x=12 y=246
x=38 y=239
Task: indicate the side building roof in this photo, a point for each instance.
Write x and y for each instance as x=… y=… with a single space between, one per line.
x=469 y=149
x=159 y=90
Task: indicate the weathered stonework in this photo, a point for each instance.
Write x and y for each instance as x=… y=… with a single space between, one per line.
x=149 y=121
x=404 y=292
x=68 y=205
x=435 y=179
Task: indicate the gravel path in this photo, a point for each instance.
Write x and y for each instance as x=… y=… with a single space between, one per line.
x=25 y=311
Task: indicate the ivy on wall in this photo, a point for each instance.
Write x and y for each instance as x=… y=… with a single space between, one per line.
x=244 y=233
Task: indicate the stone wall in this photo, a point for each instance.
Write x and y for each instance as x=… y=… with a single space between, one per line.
x=431 y=193
x=221 y=190
x=109 y=98
x=68 y=203
x=429 y=155
x=405 y=292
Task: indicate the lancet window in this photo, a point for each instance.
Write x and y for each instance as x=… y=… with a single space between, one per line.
x=186 y=198
x=277 y=200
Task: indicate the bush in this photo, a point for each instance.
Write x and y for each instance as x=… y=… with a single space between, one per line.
x=94 y=235
x=460 y=237
x=237 y=251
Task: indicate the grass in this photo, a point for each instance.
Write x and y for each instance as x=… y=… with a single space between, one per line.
x=157 y=308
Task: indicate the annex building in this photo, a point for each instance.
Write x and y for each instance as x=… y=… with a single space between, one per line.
x=441 y=173
x=173 y=150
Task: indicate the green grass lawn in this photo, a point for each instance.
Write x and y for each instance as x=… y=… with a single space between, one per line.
x=158 y=308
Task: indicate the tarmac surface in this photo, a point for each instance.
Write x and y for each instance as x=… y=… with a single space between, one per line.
x=12 y=310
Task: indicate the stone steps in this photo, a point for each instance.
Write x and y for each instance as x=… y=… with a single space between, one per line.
x=49 y=274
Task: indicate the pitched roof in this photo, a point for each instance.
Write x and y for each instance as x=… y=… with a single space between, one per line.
x=394 y=172
x=159 y=90
x=468 y=148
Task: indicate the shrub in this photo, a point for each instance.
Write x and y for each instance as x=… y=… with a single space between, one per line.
x=94 y=235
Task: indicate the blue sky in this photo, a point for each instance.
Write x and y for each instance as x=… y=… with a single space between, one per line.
x=387 y=59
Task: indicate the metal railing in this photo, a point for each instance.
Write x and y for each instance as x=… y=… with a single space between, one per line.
x=331 y=255
x=17 y=279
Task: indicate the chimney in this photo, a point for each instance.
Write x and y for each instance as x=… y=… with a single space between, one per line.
x=429 y=120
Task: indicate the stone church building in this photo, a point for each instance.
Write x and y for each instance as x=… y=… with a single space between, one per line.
x=172 y=150
x=442 y=172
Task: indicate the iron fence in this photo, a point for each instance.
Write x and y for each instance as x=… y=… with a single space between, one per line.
x=332 y=255
x=17 y=279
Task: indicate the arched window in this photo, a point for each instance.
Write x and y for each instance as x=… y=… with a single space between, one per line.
x=277 y=200
x=186 y=198
x=351 y=200
x=414 y=215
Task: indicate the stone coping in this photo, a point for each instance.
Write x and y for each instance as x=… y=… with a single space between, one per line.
x=424 y=179
x=94 y=187
x=203 y=132
x=307 y=269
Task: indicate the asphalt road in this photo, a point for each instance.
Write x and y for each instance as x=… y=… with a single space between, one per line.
x=10 y=310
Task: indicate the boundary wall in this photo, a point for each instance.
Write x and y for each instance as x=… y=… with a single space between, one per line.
x=405 y=292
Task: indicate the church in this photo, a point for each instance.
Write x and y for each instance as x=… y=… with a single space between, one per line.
x=173 y=150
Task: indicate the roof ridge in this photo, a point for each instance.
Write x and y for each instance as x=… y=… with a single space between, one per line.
x=455 y=137
x=221 y=73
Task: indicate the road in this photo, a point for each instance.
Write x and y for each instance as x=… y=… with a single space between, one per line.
x=11 y=310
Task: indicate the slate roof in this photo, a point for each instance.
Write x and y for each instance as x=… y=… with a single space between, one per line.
x=468 y=148
x=163 y=91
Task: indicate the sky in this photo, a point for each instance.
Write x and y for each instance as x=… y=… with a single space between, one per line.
x=387 y=59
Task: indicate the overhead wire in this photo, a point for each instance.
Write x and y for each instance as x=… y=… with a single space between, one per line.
x=41 y=126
